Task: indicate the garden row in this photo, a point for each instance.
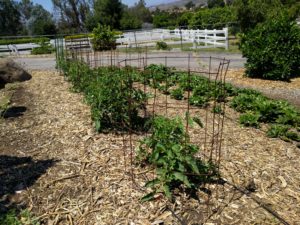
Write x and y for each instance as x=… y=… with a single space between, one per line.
x=115 y=105
x=282 y=118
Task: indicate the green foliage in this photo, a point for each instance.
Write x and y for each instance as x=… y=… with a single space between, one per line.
x=161 y=45
x=261 y=109
x=23 y=41
x=10 y=19
x=272 y=49
x=177 y=94
x=284 y=132
x=103 y=38
x=108 y=12
x=45 y=48
x=218 y=109
x=13 y=218
x=164 y=19
x=110 y=93
x=215 y=3
x=169 y=151
x=250 y=119
x=214 y=18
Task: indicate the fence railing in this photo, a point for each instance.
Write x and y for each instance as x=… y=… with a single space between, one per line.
x=199 y=38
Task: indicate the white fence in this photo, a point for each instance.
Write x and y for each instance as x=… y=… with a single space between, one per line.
x=199 y=38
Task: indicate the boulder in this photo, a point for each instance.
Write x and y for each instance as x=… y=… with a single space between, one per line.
x=11 y=72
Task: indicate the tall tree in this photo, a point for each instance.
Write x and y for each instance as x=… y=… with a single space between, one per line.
x=72 y=13
x=40 y=21
x=10 y=19
x=108 y=12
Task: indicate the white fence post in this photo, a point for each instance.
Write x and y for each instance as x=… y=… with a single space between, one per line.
x=226 y=38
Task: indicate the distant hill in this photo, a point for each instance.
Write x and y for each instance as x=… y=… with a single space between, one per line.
x=177 y=3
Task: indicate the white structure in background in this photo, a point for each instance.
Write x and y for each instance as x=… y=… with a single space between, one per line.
x=199 y=38
x=205 y=38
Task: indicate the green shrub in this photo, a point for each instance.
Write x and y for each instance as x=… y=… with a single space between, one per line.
x=103 y=38
x=250 y=119
x=169 y=151
x=272 y=49
x=45 y=48
x=177 y=94
x=161 y=45
x=23 y=40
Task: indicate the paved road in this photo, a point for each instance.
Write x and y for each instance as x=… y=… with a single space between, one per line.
x=236 y=60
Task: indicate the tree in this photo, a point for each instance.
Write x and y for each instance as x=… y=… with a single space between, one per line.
x=189 y=5
x=252 y=12
x=108 y=12
x=72 y=13
x=10 y=19
x=216 y=3
x=40 y=21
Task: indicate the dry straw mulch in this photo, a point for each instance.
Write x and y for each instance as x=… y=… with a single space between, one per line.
x=86 y=182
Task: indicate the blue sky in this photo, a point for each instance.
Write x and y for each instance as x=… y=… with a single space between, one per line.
x=48 y=4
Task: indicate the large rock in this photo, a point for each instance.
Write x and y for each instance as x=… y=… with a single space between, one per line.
x=11 y=72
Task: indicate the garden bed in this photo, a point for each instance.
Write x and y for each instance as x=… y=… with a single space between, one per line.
x=78 y=175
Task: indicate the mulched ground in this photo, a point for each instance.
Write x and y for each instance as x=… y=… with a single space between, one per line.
x=53 y=162
x=289 y=91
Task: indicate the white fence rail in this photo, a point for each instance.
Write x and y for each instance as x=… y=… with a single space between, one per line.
x=199 y=38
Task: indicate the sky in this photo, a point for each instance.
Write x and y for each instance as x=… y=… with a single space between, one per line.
x=47 y=4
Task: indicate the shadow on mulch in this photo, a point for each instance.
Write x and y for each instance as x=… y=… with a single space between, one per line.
x=17 y=174
x=14 y=112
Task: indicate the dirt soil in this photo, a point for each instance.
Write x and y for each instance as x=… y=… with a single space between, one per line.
x=53 y=163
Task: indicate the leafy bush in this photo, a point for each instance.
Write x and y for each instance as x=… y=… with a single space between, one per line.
x=45 y=48
x=23 y=40
x=250 y=119
x=169 y=151
x=177 y=94
x=103 y=38
x=161 y=45
x=217 y=109
x=272 y=49
x=215 y=18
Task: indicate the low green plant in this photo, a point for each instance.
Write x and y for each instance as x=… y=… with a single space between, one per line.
x=177 y=94
x=284 y=132
x=217 y=109
x=161 y=45
x=250 y=119
x=22 y=218
x=168 y=150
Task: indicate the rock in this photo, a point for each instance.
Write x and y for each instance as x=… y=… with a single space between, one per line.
x=11 y=72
